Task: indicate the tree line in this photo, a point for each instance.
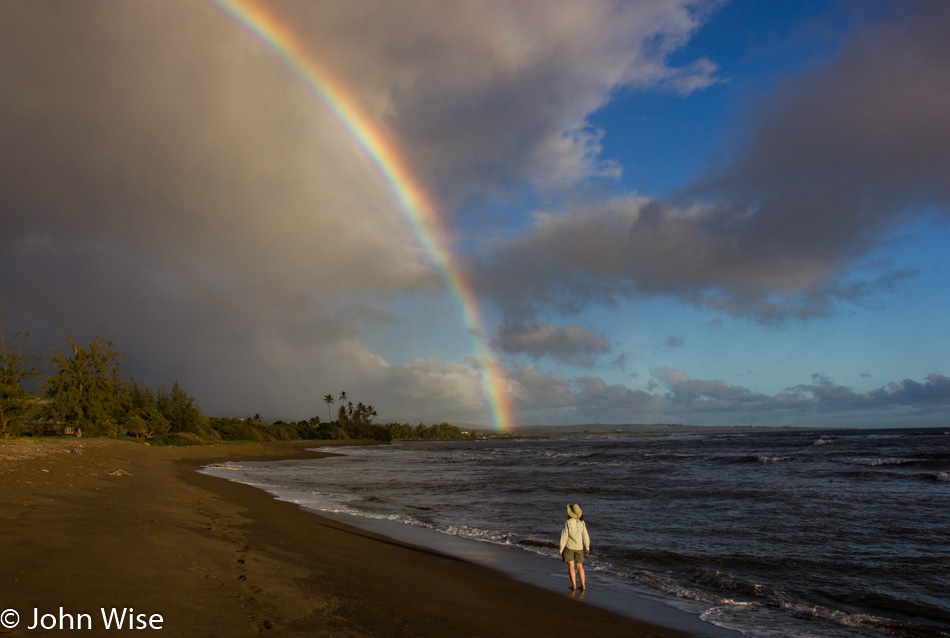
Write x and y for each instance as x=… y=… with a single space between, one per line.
x=84 y=393
x=355 y=421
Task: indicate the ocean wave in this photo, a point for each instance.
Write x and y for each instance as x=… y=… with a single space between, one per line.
x=661 y=582
x=718 y=458
x=899 y=474
x=917 y=609
x=492 y=536
x=686 y=437
x=750 y=458
x=851 y=620
x=538 y=544
x=722 y=581
x=563 y=455
x=603 y=463
x=337 y=504
x=758 y=620
x=877 y=462
x=654 y=557
x=773 y=620
x=668 y=456
x=928 y=477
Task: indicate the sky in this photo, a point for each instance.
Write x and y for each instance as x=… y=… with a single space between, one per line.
x=494 y=213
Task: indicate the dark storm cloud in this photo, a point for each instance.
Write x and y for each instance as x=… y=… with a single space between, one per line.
x=571 y=344
x=836 y=160
x=166 y=183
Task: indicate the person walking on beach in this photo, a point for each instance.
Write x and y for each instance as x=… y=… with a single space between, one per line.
x=575 y=543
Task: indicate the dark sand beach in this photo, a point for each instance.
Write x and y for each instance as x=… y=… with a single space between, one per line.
x=93 y=524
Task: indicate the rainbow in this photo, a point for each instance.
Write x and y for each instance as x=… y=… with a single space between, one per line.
x=422 y=219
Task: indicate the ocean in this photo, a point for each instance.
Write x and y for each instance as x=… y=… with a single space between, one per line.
x=784 y=533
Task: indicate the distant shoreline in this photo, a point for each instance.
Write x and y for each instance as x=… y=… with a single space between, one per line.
x=656 y=429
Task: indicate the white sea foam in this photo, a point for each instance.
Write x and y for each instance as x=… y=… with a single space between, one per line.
x=764 y=620
x=221 y=466
x=664 y=584
x=836 y=616
x=876 y=462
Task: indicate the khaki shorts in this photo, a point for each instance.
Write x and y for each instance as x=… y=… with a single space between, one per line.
x=575 y=555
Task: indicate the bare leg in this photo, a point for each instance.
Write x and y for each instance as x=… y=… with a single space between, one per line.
x=570 y=570
x=580 y=568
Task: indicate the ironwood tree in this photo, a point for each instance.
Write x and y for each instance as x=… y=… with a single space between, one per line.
x=85 y=389
x=17 y=368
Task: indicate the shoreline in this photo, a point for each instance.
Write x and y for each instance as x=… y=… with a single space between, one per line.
x=101 y=523
x=607 y=591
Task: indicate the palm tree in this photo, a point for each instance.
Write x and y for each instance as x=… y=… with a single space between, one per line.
x=343 y=396
x=328 y=399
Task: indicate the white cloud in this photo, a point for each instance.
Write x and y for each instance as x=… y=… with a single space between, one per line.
x=705 y=394
x=483 y=94
x=426 y=389
x=536 y=390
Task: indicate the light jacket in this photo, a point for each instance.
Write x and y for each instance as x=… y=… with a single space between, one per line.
x=574 y=535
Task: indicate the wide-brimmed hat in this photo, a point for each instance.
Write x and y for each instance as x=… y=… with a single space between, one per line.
x=574 y=511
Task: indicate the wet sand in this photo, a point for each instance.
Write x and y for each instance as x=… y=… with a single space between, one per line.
x=93 y=524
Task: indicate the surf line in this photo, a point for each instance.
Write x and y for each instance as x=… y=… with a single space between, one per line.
x=267 y=27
